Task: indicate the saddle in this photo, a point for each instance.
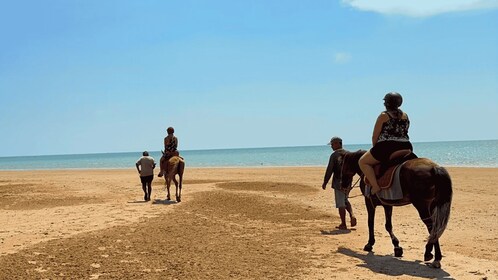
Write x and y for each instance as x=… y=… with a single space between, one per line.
x=163 y=162
x=384 y=172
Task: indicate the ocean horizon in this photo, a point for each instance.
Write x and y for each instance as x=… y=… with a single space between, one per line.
x=475 y=153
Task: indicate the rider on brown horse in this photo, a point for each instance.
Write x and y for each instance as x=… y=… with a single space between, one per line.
x=170 y=149
x=389 y=136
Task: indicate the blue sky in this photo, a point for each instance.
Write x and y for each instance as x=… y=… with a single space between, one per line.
x=111 y=76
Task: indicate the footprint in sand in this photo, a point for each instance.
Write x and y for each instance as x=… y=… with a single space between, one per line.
x=95 y=276
x=95 y=265
x=40 y=269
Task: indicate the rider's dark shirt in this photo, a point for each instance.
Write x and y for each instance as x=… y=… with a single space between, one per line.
x=172 y=146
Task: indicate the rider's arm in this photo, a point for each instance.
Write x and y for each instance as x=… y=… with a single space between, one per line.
x=381 y=119
x=406 y=115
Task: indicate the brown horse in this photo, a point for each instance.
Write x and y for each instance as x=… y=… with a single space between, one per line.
x=426 y=185
x=175 y=165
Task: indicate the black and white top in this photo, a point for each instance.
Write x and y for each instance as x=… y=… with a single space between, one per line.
x=395 y=129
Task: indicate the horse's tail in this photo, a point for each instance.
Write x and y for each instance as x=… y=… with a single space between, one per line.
x=442 y=202
x=181 y=168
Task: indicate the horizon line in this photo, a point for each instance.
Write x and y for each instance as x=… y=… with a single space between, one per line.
x=218 y=149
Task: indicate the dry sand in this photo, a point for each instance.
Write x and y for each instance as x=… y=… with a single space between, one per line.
x=241 y=223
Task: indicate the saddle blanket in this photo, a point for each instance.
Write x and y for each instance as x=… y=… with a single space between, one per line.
x=392 y=193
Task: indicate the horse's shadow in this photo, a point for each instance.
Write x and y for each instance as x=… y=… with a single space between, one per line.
x=163 y=202
x=393 y=266
x=138 y=201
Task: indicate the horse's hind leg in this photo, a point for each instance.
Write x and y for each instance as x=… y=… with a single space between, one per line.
x=181 y=168
x=388 y=211
x=425 y=215
x=168 y=183
x=177 y=196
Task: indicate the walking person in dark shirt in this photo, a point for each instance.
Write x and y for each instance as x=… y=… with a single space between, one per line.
x=341 y=197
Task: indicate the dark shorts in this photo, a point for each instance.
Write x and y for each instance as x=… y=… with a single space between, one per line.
x=383 y=150
x=146 y=179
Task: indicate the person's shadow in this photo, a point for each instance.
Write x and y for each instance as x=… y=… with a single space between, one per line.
x=163 y=202
x=337 y=231
x=392 y=266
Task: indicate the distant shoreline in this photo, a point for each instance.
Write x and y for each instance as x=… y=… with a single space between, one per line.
x=482 y=153
x=228 y=149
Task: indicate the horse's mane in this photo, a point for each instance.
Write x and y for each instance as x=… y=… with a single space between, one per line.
x=356 y=155
x=350 y=160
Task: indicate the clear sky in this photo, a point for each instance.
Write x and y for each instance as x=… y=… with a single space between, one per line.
x=92 y=76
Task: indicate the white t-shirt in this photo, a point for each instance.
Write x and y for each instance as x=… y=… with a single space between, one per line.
x=147 y=164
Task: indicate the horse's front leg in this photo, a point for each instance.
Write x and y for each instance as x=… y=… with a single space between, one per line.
x=162 y=166
x=388 y=211
x=371 y=224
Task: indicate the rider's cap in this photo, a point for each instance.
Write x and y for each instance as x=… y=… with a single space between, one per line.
x=335 y=139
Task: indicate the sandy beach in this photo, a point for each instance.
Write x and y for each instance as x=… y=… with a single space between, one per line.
x=233 y=223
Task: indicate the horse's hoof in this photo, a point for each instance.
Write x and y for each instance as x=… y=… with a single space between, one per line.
x=368 y=248
x=178 y=199
x=168 y=198
x=398 y=252
x=434 y=264
x=428 y=257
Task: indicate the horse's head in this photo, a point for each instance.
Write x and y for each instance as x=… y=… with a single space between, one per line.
x=350 y=167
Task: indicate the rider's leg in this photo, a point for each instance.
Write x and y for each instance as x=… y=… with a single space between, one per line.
x=366 y=162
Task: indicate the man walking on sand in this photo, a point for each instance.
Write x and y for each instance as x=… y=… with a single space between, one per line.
x=341 y=197
x=145 y=167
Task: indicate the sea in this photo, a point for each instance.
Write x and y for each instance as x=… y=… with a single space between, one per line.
x=480 y=153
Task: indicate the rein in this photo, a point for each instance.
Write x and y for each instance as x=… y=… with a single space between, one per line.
x=354 y=186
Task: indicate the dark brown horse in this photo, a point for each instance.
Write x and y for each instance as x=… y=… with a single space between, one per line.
x=426 y=185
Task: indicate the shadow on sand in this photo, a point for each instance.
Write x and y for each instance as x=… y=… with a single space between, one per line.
x=163 y=202
x=392 y=266
x=337 y=231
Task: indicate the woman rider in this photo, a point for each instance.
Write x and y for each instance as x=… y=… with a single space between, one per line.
x=170 y=149
x=390 y=135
